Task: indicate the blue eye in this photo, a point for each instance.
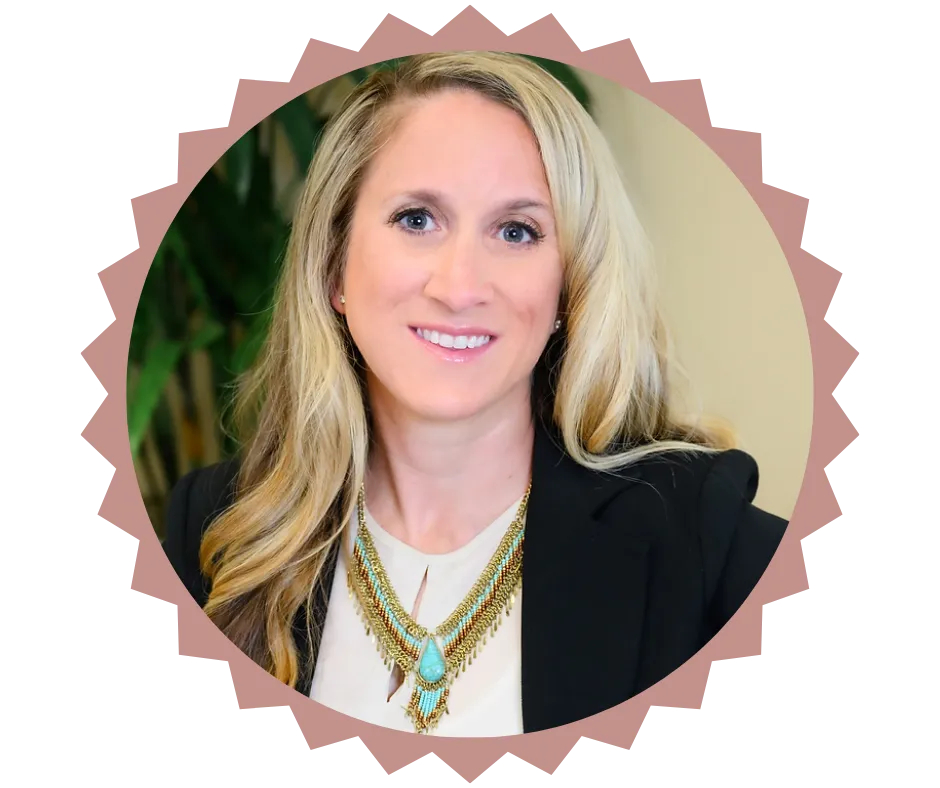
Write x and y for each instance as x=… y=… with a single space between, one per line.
x=515 y=232
x=415 y=220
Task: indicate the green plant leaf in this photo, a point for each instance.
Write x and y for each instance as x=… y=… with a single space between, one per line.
x=175 y=247
x=217 y=207
x=238 y=164
x=138 y=339
x=246 y=353
x=174 y=241
x=302 y=126
x=260 y=199
x=210 y=331
x=146 y=327
x=206 y=250
x=158 y=365
x=228 y=243
x=197 y=287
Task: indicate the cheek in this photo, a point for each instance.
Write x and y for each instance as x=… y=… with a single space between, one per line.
x=378 y=275
x=538 y=295
x=381 y=283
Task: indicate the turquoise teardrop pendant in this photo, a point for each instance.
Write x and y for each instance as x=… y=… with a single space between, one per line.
x=429 y=697
x=432 y=666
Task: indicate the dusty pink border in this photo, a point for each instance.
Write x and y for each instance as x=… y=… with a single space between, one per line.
x=831 y=355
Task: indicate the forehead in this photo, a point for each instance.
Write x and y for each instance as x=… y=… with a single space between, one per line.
x=463 y=143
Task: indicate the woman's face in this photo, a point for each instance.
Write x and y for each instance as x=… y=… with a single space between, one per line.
x=453 y=274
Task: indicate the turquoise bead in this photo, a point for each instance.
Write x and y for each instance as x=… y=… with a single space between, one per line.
x=432 y=666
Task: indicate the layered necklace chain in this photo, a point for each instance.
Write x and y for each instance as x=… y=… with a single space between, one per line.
x=432 y=659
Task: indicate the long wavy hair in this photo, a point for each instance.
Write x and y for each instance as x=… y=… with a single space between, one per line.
x=601 y=384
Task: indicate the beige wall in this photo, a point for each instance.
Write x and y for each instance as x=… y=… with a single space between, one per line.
x=727 y=291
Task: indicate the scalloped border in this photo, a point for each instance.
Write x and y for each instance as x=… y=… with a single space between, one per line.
x=686 y=100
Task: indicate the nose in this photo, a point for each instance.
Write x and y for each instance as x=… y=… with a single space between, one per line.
x=458 y=278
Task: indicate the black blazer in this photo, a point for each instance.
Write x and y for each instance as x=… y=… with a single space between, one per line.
x=626 y=576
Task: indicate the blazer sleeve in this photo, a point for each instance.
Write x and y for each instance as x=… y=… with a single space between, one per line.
x=738 y=539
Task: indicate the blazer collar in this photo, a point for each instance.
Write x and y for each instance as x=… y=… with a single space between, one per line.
x=575 y=572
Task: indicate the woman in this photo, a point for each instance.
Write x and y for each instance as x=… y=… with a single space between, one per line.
x=463 y=397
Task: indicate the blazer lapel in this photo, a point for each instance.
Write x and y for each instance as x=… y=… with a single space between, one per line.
x=583 y=594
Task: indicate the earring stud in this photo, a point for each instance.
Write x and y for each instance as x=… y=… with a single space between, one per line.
x=557 y=324
x=342 y=299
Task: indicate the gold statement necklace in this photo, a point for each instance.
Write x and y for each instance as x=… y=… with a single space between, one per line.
x=434 y=658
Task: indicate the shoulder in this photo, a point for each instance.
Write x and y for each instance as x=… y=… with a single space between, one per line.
x=663 y=485
x=702 y=501
x=720 y=488
x=693 y=482
x=710 y=491
x=195 y=501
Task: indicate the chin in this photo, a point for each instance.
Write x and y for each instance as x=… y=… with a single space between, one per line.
x=443 y=408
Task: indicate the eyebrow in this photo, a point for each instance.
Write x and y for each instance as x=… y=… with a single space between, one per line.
x=440 y=201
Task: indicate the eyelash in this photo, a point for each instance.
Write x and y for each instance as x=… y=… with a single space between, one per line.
x=537 y=235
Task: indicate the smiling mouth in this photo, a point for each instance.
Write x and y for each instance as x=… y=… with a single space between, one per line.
x=453 y=341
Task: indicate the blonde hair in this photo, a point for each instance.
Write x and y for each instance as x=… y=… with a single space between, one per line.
x=601 y=383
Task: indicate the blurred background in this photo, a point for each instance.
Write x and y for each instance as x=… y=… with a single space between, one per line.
x=727 y=291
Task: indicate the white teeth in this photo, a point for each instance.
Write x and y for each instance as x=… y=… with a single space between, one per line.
x=446 y=340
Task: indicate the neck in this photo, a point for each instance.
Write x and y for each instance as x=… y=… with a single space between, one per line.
x=436 y=485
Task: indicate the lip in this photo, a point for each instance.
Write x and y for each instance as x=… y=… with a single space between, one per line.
x=449 y=354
